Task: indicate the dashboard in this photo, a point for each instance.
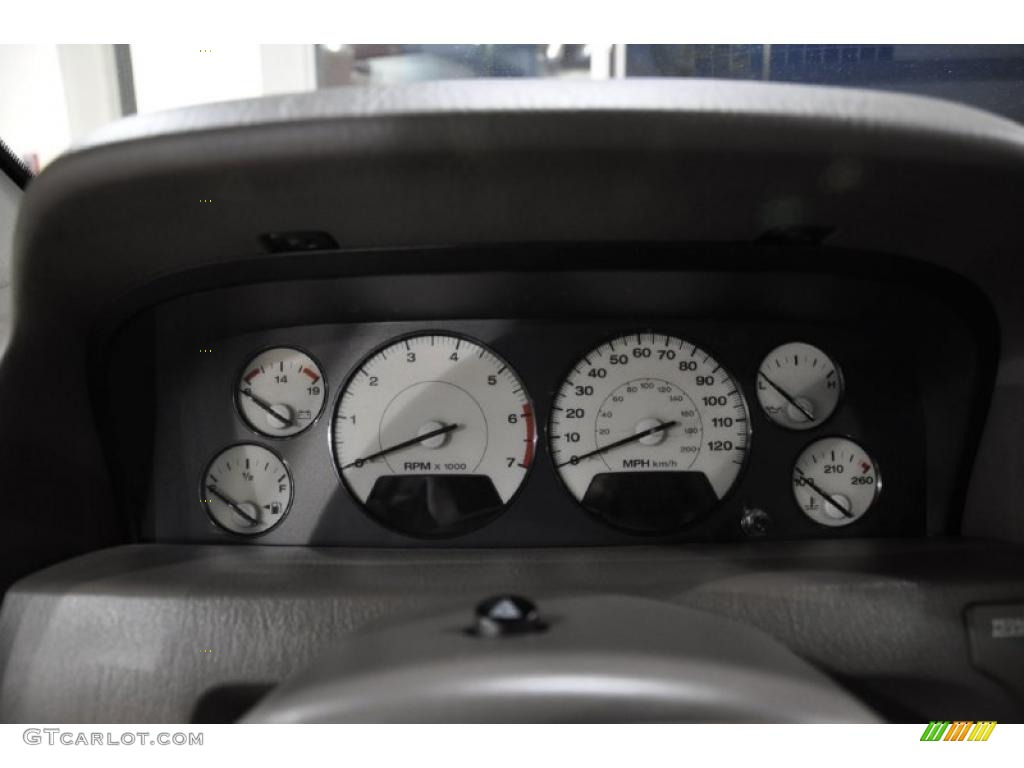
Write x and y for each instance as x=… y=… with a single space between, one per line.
x=714 y=406
x=737 y=349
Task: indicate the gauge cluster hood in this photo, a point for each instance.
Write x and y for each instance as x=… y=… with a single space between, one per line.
x=465 y=162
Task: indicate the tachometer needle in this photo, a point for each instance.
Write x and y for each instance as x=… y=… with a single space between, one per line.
x=827 y=497
x=232 y=503
x=624 y=441
x=267 y=407
x=792 y=400
x=404 y=444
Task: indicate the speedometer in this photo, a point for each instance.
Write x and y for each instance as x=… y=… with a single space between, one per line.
x=434 y=434
x=649 y=432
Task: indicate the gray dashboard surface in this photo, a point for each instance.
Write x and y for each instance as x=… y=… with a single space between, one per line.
x=698 y=98
x=143 y=633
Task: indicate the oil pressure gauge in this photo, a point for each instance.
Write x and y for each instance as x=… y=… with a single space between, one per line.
x=835 y=481
x=798 y=386
x=281 y=392
x=246 y=489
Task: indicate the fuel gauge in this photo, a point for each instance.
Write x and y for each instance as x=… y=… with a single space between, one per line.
x=246 y=489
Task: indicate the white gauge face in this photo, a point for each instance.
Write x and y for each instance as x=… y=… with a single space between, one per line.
x=246 y=489
x=799 y=386
x=281 y=392
x=649 y=432
x=835 y=481
x=434 y=434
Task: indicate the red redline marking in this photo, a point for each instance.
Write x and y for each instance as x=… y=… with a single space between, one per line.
x=252 y=375
x=311 y=375
x=530 y=433
x=865 y=467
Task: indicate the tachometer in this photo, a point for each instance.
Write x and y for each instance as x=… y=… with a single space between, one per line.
x=434 y=434
x=649 y=432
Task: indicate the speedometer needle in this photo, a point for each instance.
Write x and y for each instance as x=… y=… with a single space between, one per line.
x=827 y=497
x=232 y=503
x=624 y=441
x=404 y=444
x=792 y=400
x=267 y=407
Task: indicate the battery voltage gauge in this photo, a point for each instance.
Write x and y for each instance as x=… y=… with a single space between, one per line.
x=281 y=392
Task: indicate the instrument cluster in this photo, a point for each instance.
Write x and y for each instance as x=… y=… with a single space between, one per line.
x=433 y=434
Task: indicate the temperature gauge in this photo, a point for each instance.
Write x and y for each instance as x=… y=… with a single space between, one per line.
x=246 y=489
x=281 y=392
x=835 y=481
x=799 y=386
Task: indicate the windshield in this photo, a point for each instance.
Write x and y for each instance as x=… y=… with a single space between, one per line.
x=55 y=95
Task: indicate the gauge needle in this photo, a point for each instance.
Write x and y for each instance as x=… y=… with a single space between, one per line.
x=814 y=487
x=404 y=444
x=788 y=397
x=268 y=408
x=624 y=441
x=231 y=503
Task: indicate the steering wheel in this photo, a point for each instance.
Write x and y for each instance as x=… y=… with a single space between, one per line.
x=589 y=659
